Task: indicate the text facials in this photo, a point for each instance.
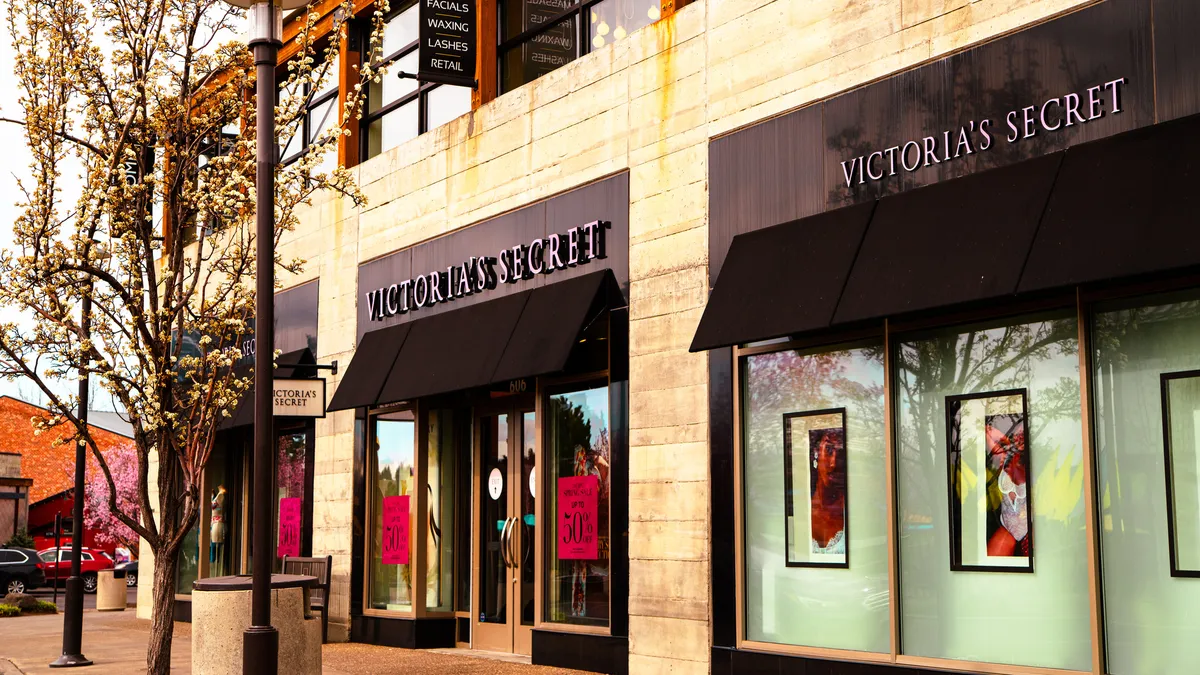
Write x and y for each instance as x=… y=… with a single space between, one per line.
x=1049 y=116
x=578 y=246
x=447 y=32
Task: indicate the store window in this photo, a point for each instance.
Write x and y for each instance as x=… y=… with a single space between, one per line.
x=578 y=455
x=993 y=545
x=400 y=109
x=813 y=471
x=1146 y=395
x=318 y=117
x=292 y=478
x=442 y=473
x=391 y=482
x=538 y=36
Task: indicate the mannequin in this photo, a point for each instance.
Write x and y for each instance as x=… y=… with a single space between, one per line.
x=217 y=529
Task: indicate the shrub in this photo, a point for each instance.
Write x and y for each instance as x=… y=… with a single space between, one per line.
x=42 y=607
x=9 y=610
x=21 y=601
x=20 y=539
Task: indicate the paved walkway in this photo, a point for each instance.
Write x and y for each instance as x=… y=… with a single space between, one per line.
x=116 y=643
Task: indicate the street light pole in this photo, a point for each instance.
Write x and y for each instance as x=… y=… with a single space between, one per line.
x=260 y=642
x=72 y=654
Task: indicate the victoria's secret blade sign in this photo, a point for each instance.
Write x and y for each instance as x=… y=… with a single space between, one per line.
x=447 y=42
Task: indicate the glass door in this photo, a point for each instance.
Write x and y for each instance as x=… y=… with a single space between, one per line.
x=504 y=578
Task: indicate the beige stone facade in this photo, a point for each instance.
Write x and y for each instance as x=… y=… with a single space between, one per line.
x=649 y=105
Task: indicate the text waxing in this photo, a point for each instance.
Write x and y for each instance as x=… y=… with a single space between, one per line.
x=1051 y=115
x=578 y=246
x=447 y=34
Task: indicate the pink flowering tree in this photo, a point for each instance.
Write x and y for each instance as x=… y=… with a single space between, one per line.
x=106 y=528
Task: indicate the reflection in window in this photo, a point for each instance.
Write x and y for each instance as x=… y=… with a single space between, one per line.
x=319 y=116
x=398 y=109
x=577 y=501
x=439 y=546
x=531 y=46
x=1150 y=616
x=291 y=465
x=813 y=470
x=976 y=615
x=393 y=440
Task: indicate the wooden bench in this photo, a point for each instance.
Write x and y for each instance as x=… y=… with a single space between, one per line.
x=322 y=569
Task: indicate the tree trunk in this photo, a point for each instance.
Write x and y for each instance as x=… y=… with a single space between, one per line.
x=162 y=621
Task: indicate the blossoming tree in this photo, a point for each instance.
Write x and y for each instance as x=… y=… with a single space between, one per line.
x=150 y=101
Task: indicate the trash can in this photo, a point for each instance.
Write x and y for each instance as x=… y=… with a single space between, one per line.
x=110 y=591
x=221 y=614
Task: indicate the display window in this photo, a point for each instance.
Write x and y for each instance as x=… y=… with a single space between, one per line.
x=1146 y=402
x=577 y=459
x=390 y=483
x=814 y=529
x=993 y=547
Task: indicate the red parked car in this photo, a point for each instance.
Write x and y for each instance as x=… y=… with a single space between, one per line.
x=57 y=566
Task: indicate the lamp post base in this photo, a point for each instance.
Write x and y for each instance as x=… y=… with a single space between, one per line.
x=260 y=651
x=73 y=627
x=71 y=661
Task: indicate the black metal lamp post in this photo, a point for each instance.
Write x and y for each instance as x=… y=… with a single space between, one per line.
x=72 y=654
x=260 y=642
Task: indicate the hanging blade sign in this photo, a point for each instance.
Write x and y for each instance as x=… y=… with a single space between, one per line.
x=447 y=50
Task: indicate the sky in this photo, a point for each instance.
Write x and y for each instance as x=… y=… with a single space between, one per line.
x=17 y=158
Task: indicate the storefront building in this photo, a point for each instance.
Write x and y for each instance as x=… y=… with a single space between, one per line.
x=632 y=333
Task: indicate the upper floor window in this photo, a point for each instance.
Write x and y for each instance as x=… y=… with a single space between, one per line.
x=538 y=36
x=400 y=109
x=320 y=115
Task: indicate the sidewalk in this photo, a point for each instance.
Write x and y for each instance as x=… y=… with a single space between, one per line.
x=116 y=643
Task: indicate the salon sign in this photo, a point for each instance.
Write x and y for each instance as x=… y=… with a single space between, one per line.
x=1049 y=116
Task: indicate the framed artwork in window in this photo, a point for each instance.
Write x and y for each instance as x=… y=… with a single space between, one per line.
x=816 y=499
x=990 y=486
x=1181 y=445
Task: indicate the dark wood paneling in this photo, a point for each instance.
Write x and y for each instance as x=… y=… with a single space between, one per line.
x=722 y=491
x=405 y=633
x=592 y=653
x=607 y=199
x=1177 y=58
x=764 y=175
x=1087 y=48
x=790 y=167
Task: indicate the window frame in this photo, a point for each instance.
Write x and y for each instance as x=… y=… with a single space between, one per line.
x=547 y=387
x=304 y=130
x=420 y=94
x=892 y=333
x=582 y=35
x=416 y=563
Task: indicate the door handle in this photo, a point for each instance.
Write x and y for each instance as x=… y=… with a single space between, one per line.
x=504 y=548
x=512 y=543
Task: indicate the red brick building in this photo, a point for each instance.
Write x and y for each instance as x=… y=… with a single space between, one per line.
x=50 y=467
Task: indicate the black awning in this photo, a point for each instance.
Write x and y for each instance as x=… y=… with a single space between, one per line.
x=456 y=350
x=520 y=335
x=959 y=241
x=243 y=415
x=1122 y=206
x=365 y=376
x=782 y=280
x=542 y=340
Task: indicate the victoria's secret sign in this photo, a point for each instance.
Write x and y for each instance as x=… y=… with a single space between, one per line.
x=578 y=246
x=978 y=136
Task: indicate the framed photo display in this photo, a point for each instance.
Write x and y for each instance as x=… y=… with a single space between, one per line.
x=1181 y=443
x=991 y=492
x=816 y=499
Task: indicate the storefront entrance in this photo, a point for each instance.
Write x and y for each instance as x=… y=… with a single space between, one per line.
x=506 y=445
